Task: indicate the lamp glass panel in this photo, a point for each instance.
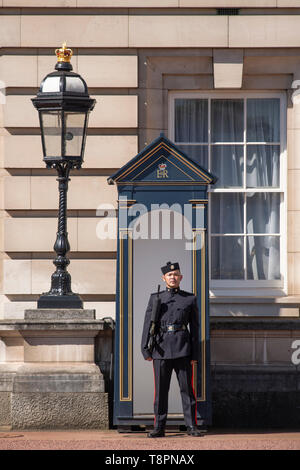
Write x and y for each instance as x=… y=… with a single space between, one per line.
x=74 y=85
x=74 y=133
x=52 y=131
x=51 y=85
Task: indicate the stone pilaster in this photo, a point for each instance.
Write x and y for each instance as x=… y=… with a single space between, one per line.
x=48 y=375
x=293 y=173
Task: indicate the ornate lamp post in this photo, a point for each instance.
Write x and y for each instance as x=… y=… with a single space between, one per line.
x=64 y=105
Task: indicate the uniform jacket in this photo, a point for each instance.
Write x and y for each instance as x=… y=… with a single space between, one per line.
x=179 y=308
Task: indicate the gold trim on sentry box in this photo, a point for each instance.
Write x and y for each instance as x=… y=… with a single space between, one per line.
x=200 y=232
x=162 y=182
x=129 y=316
x=174 y=153
x=126 y=202
x=138 y=163
x=155 y=161
x=198 y=201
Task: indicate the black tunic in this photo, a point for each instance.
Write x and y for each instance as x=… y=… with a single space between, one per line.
x=176 y=308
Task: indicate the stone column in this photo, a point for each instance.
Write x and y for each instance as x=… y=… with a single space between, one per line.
x=48 y=375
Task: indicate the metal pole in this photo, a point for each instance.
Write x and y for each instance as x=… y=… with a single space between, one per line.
x=60 y=294
x=61 y=279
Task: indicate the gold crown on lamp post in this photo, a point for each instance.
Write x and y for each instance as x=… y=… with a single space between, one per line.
x=64 y=54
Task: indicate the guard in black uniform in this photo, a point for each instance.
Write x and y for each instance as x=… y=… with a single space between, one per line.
x=175 y=347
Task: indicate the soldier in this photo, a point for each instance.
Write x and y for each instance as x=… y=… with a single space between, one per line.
x=175 y=347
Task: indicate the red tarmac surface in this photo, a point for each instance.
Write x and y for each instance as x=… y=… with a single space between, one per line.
x=112 y=440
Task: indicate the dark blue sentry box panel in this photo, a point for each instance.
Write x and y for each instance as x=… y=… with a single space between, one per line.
x=160 y=174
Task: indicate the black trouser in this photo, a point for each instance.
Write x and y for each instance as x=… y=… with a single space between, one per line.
x=163 y=369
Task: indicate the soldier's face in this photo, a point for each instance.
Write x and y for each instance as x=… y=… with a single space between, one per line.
x=173 y=278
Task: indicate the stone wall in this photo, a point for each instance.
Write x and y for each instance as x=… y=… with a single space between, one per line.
x=255 y=383
x=132 y=58
x=30 y=198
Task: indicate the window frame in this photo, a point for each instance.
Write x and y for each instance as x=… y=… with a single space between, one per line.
x=244 y=287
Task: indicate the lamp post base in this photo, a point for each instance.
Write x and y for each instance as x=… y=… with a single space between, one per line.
x=59 y=301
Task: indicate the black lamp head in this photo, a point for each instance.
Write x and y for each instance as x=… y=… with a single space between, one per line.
x=64 y=104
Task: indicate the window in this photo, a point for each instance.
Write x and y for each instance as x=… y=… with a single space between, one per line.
x=240 y=139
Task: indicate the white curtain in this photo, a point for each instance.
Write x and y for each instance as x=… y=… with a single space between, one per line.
x=191 y=126
x=191 y=120
x=263 y=261
x=227 y=162
x=263 y=170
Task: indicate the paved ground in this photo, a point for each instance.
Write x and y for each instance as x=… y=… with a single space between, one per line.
x=113 y=441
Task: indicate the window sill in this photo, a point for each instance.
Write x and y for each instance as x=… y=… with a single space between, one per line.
x=221 y=323
x=271 y=299
x=245 y=293
x=256 y=307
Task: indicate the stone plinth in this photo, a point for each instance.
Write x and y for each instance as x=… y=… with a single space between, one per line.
x=48 y=375
x=59 y=314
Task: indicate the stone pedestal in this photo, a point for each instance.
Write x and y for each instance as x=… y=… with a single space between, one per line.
x=48 y=375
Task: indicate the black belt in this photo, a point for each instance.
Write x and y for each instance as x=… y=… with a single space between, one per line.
x=172 y=328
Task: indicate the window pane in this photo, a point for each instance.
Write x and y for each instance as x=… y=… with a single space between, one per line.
x=263 y=122
x=191 y=120
x=263 y=258
x=52 y=126
x=74 y=123
x=227 y=213
x=199 y=153
x=263 y=165
x=227 y=163
x=227 y=258
x=227 y=120
x=263 y=212
x=240 y=144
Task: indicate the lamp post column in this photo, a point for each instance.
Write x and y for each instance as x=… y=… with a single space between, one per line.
x=60 y=290
x=59 y=380
x=64 y=104
x=61 y=280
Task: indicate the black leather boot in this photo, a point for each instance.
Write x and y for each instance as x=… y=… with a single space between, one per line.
x=194 y=431
x=157 y=432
